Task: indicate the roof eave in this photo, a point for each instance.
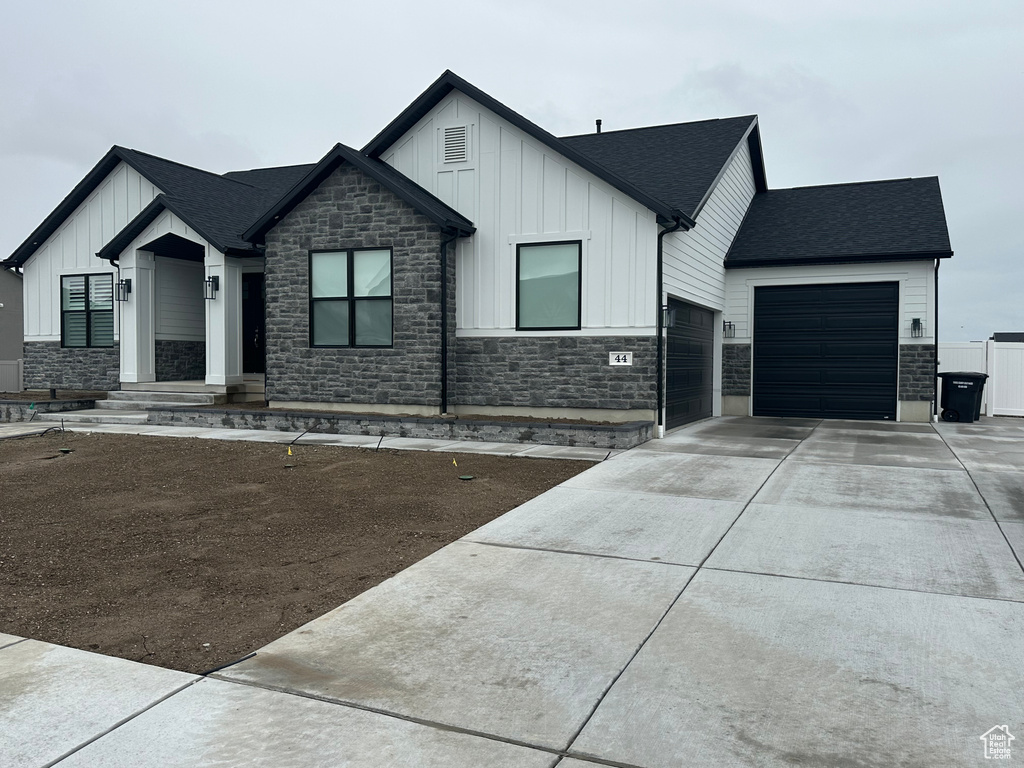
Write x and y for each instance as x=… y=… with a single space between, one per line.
x=842 y=259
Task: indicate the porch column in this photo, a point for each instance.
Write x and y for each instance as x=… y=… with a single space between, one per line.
x=138 y=350
x=224 y=321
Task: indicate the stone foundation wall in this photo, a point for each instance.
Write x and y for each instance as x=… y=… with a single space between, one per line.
x=180 y=360
x=735 y=370
x=611 y=436
x=49 y=365
x=917 y=372
x=559 y=372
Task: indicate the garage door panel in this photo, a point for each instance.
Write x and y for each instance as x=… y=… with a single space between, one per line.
x=689 y=364
x=869 y=352
x=827 y=351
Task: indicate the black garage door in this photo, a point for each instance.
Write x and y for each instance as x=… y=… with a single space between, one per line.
x=827 y=351
x=690 y=364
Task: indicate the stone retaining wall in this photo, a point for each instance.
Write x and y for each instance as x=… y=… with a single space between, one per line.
x=18 y=410
x=608 y=436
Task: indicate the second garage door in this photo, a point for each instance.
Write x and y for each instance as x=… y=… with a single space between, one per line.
x=690 y=371
x=826 y=351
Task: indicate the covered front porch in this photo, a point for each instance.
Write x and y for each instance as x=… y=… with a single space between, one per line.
x=191 y=317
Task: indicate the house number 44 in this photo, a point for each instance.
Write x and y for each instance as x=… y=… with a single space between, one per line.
x=620 y=358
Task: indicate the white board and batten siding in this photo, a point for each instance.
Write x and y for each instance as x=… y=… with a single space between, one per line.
x=517 y=190
x=71 y=250
x=694 y=259
x=916 y=279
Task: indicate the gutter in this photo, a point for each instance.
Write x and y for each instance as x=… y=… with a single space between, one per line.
x=454 y=234
x=935 y=380
x=659 y=280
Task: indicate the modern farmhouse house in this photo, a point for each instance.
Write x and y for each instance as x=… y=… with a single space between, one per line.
x=466 y=261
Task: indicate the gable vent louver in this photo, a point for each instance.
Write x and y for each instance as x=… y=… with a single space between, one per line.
x=456 y=144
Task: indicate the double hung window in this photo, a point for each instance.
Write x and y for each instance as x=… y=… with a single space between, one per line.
x=350 y=298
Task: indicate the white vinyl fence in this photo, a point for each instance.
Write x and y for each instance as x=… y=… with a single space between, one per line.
x=10 y=376
x=1004 y=364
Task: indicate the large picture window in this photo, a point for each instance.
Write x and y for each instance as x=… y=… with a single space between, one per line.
x=350 y=298
x=548 y=286
x=87 y=311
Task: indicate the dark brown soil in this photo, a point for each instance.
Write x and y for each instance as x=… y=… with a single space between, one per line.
x=43 y=396
x=189 y=553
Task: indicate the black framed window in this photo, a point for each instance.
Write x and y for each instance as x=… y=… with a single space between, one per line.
x=87 y=310
x=548 y=286
x=350 y=298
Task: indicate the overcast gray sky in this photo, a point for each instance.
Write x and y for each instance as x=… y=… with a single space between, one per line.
x=845 y=92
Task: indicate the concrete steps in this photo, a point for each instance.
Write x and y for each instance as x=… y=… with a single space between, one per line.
x=129 y=400
x=95 y=416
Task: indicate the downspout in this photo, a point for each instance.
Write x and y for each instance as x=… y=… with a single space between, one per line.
x=444 y=318
x=660 y=325
x=935 y=379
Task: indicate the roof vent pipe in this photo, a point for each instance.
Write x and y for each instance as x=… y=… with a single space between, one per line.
x=599 y=125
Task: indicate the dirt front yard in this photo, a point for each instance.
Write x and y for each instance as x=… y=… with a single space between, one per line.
x=189 y=553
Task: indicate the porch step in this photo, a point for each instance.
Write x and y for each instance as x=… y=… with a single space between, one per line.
x=140 y=399
x=95 y=416
x=138 y=405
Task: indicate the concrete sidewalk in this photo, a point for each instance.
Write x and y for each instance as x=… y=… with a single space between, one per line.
x=746 y=592
x=579 y=452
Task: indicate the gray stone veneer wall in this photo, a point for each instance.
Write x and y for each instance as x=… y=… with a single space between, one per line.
x=180 y=360
x=735 y=369
x=562 y=372
x=47 y=365
x=351 y=210
x=917 y=372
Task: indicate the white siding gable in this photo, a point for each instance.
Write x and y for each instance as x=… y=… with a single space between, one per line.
x=517 y=190
x=179 y=307
x=694 y=260
x=72 y=249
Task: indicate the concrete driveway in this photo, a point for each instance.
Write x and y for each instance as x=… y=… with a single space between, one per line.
x=746 y=592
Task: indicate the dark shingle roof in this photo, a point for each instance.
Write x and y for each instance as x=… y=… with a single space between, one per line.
x=423 y=201
x=220 y=208
x=675 y=163
x=900 y=219
x=1011 y=337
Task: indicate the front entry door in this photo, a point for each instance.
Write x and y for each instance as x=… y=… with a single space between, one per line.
x=253 y=323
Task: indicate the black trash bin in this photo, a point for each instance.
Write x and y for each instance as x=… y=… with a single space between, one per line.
x=961 y=395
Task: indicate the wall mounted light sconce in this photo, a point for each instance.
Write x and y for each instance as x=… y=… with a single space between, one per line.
x=668 y=317
x=728 y=329
x=916 y=328
x=122 y=289
x=211 y=286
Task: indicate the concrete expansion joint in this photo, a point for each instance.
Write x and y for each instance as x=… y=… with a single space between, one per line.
x=121 y=722
x=984 y=500
x=561 y=753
